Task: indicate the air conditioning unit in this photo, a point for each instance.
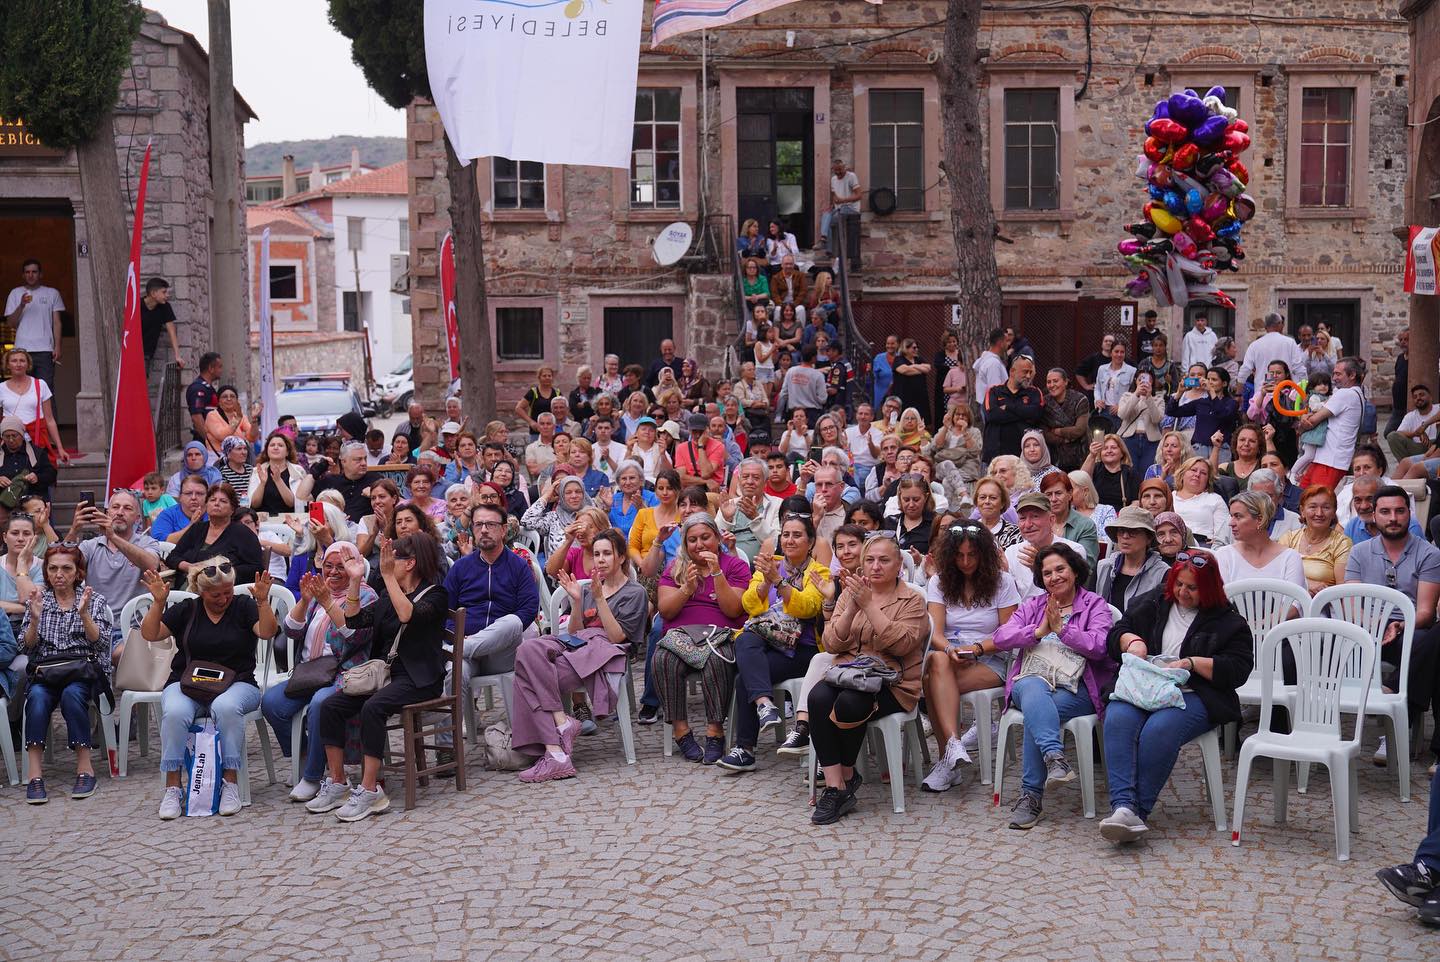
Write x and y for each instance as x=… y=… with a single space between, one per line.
x=400 y=273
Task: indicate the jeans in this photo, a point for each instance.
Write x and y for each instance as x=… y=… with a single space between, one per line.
x=650 y=696
x=862 y=474
x=759 y=667
x=1429 y=850
x=1202 y=448
x=280 y=710
x=1142 y=451
x=1141 y=748
x=44 y=366
x=74 y=702
x=1045 y=711
x=177 y=714
x=489 y=651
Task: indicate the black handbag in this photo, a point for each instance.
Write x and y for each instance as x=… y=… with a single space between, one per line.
x=313 y=674
x=58 y=672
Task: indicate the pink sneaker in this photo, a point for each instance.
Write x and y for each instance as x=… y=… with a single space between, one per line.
x=567 y=737
x=547 y=769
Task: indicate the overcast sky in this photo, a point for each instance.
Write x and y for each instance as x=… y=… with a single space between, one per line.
x=293 y=68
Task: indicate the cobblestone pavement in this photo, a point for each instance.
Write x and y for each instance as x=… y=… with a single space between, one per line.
x=669 y=861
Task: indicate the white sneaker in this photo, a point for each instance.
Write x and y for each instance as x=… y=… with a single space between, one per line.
x=304 y=790
x=363 y=804
x=229 y=798
x=1123 y=825
x=970 y=741
x=170 y=805
x=330 y=797
x=947 y=772
x=1382 y=754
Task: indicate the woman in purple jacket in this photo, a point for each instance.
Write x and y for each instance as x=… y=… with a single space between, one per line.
x=1061 y=671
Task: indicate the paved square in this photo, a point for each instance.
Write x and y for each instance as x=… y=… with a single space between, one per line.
x=669 y=861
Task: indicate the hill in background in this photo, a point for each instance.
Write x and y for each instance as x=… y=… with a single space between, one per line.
x=374 y=152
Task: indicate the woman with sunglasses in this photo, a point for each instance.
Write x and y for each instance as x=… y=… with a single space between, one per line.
x=316 y=625
x=992 y=502
x=221 y=534
x=1252 y=553
x=969 y=597
x=1189 y=624
x=216 y=626
x=879 y=616
x=1062 y=668
x=66 y=622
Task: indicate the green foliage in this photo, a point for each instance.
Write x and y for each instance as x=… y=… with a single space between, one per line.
x=374 y=151
x=61 y=62
x=387 y=43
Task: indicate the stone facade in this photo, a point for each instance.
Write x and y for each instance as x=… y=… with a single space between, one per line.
x=586 y=251
x=1424 y=188
x=322 y=352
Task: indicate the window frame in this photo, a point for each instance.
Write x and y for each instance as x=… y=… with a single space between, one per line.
x=552 y=213
x=681 y=145
x=518 y=180
x=549 y=337
x=298 y=268
x=884 y=76
x=688 y=82
x=1359 y=78
x=1030 y=125
x=1325 y=145
x=1055 y=76
x=895 y=126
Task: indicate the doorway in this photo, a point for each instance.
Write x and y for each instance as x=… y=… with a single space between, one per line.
x=634 y=333
x=1341 y=317
x=775 y=140
x=45 y=230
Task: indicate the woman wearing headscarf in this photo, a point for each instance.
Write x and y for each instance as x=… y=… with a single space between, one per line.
x=1036 y=455
x=235 y=467
x=21 y=460
x=1172 y=535
x=194 y=459
x=557 y=508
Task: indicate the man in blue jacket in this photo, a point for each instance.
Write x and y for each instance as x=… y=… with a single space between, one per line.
x=497 y=589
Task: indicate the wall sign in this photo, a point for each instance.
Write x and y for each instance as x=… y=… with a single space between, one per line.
x=16 y=140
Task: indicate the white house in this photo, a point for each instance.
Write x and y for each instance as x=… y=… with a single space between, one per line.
x=370 y=214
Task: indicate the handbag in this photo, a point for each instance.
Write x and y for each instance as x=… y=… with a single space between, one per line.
x=865 y=673
x=59 y=672
x=497 y=753
x=694 y=644
x=202 y=681
x=144 y=665
x=1148 y=686
x=371 y=675
x=14 y=493
x=313 y=674
x=780 y=631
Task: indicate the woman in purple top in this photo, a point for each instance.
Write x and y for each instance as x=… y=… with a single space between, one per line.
x=1062 y=668
x=702 y=586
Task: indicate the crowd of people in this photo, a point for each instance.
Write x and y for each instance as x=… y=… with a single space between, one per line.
x=960 y=527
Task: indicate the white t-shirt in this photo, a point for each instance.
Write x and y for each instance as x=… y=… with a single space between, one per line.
x=989 y=371
x=980 y=621
x=23 y=406
x=615 y=454
x=1341 y=429
x=845 y=187
x=860 y=448
x=1412 y=421
x=1024 y=582
x=1177 y=626
x=1286 y=566
x=35 y=332
x=1205 y=514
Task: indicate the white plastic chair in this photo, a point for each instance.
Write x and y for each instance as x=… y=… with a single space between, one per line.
x=1081 y=730
x=1263 y=603
x=1209 y=745
x=281 y=601
x=130 y=617
x=547 y=598
x=981 y=704
x=162 y=549
x=1372 y=607
x=1329 y=654
x=7 y=745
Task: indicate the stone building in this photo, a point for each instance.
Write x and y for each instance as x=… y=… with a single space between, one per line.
x=1423 y=195
x=164 y=98
x=749 y=127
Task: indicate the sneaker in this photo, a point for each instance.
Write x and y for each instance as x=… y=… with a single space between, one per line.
x=1026 y=812
x=1428 y=911
x=1057 y=769
x=170 y=806
x=229 y=798
x=714 y=748
x=830 y=806
x=567 y=737
x=970 y=741
x=942 y=777
x=853 y=785
x=363 y=804
x=1412 y=883
x=586 y=717
x=1431 y=770
x=84 y=785
x=689 y=747
x=330 y=797
x=1123 y=825
x=769 y=716
x=797 y=742
x=304 y=790
x=1382 y=754
x=737 y=760
x=649 y=715
x=548 y=769
x=35 y=792
x=444 y=756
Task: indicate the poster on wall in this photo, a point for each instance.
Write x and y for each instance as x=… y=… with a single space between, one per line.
x=1421 y=256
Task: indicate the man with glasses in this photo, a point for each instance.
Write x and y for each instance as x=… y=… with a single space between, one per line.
x=1402 y=560
x=353 y=482
x=1033 y=510
x=828 y=506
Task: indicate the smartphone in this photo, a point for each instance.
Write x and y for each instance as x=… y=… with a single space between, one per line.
x=571 y=642
x=88 y=497
x=206 y=674
x=317 y=512
x=1191 y=382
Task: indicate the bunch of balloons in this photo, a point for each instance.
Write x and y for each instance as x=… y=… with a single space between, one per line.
x=1197 y=200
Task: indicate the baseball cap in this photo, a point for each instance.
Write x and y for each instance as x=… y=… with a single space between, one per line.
x=1032 y=500
x=699 y=422
x=450 y=427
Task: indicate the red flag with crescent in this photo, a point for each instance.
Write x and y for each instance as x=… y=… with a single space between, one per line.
x=447 y=295
x=132 y=432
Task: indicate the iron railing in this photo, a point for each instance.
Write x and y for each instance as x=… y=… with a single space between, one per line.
x=168 y=405
x=858 y=350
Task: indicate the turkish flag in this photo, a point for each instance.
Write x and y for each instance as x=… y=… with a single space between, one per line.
x=447 y=295
x=132 y=434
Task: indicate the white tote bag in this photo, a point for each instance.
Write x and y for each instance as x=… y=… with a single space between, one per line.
x=203 y=762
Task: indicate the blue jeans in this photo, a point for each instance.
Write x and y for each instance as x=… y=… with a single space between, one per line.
x=177 y=714
x=758 y=667
x=74 y=702
x=650 y=696
x=1429 y=850
x=1202 y=448
x=1045 y=711
x=1141 y=748
x=280 y=710
x=1142 y=451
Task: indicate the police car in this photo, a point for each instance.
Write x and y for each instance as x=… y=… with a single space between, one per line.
x=317 y=400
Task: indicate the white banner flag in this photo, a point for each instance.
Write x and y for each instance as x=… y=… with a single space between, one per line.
x=543 y=80
x=268 y=413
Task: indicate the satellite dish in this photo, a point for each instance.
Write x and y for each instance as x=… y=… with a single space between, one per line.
x=672 y=243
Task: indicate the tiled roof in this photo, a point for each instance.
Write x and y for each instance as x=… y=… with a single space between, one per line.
x=386 y=182
x=280 y=220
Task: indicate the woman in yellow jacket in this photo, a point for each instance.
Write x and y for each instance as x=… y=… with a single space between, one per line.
x=786 y=582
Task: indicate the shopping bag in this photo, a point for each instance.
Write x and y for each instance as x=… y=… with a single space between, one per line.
x=203 y=762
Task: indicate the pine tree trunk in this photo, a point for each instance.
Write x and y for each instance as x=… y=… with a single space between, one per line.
x=105 y=225
x=477 y=364
x=972 y=220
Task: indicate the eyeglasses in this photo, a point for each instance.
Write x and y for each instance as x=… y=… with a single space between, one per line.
x=215 y=570
x=1197 y=560
x=888 y=535
x=791 y=515
x=488 y=524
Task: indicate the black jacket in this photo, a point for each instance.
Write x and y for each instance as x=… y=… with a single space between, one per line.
x=420 y=654
x=1008 y=415
x=29 y=458
x=1218 y=633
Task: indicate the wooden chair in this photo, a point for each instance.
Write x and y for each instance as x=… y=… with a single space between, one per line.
x=413 y=725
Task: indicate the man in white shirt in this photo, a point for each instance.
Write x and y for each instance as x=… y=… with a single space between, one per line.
x=1199 y=344
x=33 y=312
x=844 y=199
x=605 y=452
x=863 y=439
x=990 y=368
x=1268 y=483
x=1341 y=415
x=1416 y=433
x=1113 y=380
x=751 y=514
x=1036 y=528
x=1273 y=345
x=540 y=454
